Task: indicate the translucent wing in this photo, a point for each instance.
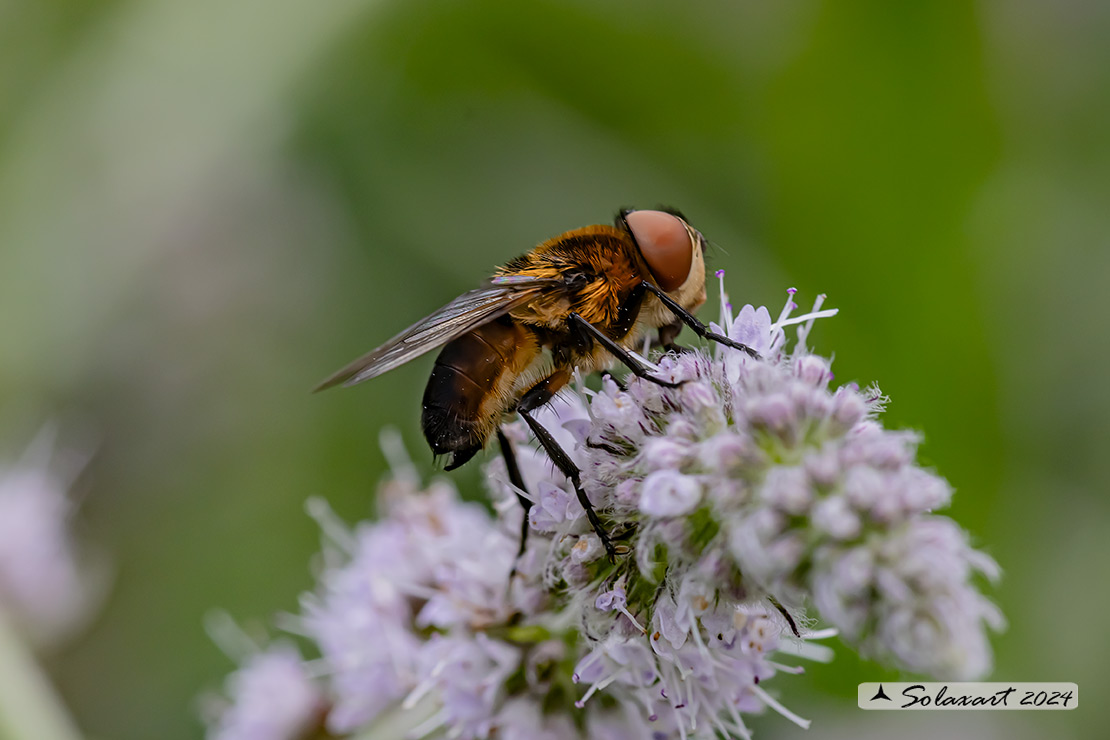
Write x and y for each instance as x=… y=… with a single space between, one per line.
x=469 y=311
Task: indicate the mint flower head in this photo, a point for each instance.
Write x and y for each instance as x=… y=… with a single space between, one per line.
x=409 y=608
x=749 y=494
x=757 y=480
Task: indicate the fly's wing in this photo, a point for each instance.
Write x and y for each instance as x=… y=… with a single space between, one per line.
x=469 y=311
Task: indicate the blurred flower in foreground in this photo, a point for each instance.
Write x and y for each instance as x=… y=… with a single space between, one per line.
x=734 y=501
x=271 y=697
x=47 y=589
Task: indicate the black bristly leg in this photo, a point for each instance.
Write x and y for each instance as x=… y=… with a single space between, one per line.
x=691 y=321
x=537 y=396
x=783 y=612
x=517 y=480
x=577 y=322
x=565 y=465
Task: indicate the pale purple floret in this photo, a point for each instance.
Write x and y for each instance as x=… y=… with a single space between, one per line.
x=47 y=589
x=667 y=493
x=468 y=673
x=271 y=698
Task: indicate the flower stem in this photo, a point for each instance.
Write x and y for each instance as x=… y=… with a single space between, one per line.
x=30 y=709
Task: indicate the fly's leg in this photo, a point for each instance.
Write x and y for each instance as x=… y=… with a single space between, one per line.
x=691 y=321
x=517 y=480
x=627 y=313
x=578 y=323
x=565 y=465
x=782 y=610
x=535 y=397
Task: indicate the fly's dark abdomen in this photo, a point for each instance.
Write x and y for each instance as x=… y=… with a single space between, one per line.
x=470 y=387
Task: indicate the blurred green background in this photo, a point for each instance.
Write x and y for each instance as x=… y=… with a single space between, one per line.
x=206 y=207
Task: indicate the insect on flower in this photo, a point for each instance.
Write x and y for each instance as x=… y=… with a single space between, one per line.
x=581 y=300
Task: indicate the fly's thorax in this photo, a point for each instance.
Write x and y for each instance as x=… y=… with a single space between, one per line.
x=549 y=311
x=594 y=270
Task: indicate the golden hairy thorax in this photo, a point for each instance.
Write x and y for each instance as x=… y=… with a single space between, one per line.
x=599 y=266
x=609 y=261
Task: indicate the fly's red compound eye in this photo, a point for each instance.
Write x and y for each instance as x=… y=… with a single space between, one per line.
x=666 y=245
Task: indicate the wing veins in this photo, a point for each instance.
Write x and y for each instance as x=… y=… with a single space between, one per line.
x=467 y=312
